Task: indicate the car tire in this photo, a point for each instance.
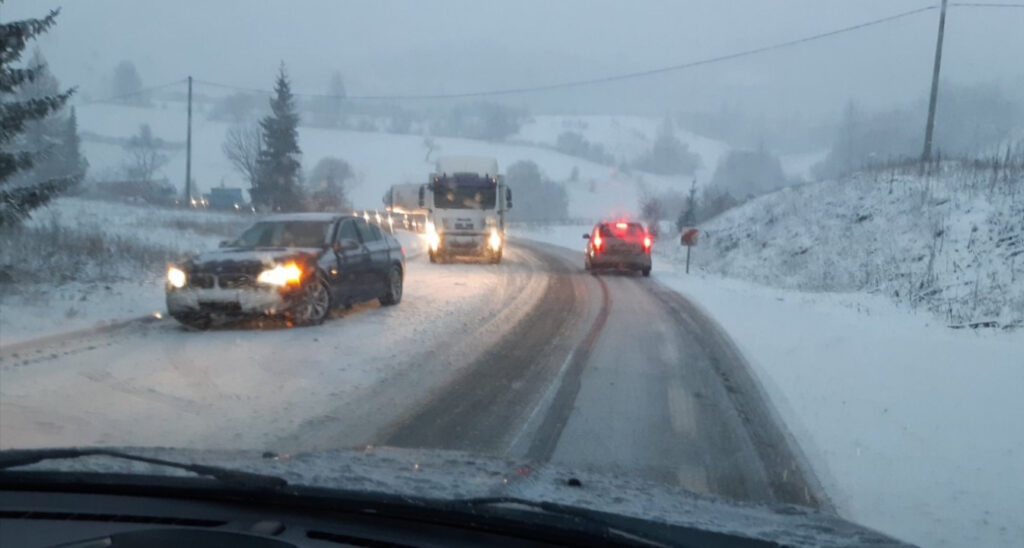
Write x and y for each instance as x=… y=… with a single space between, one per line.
x=197 y=321
x=315 y=302
x=646 y=272
x=393 y=288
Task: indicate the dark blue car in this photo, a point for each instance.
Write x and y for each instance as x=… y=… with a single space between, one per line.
x=300 y=266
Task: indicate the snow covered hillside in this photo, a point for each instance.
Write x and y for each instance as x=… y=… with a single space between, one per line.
x=951 y=244
x=382 y=159
x=624 y=137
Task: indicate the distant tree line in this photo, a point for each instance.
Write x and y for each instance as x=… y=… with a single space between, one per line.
x=970 y=120
x=536 y=198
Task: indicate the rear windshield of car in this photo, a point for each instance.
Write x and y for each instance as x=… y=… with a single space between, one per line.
x=284 y=234
x=622 y=230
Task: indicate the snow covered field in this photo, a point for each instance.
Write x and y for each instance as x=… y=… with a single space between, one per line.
x=911 y=426
x=383 y=159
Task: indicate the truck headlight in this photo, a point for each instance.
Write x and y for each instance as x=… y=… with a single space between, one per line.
x=494 y=240
x=176 y=277
x=433 y=238
x=281 y=275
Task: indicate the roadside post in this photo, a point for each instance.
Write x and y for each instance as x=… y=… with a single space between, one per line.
x=689 y=239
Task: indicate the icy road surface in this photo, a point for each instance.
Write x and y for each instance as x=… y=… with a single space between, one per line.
x=532 y=359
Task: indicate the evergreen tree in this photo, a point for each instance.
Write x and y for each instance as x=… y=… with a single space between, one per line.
x=71 y=157
x=277 y=182
x=18 y=197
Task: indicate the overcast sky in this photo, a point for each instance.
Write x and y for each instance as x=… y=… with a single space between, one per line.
x=412 y=46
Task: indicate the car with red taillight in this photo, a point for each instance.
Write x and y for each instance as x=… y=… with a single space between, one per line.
x=618 y=245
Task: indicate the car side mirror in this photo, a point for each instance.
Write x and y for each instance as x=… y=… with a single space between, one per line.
x=508 y=198
x=422 y=196
x=586 y=236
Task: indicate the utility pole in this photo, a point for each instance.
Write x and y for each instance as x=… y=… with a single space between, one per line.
x=188 y=149
x=927 y=154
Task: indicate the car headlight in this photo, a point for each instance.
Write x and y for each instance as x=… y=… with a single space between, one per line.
x=280 y=275
x=494 y=240
x=176 y=277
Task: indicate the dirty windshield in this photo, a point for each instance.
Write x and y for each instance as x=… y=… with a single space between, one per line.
x=692 y=255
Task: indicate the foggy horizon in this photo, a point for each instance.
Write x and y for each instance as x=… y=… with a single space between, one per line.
x=407 y=48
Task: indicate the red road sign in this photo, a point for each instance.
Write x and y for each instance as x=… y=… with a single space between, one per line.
x=689 y=238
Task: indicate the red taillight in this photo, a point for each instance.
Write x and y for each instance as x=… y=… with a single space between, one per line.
x=597 y=242
x=647 y=242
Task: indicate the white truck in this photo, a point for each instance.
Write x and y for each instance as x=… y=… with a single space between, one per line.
x=465 y=202
x=402 y=203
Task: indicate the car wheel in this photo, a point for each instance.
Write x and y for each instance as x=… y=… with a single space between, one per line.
x=646 y=272
x=314 y=303
x=393 y=292
x=196 y=321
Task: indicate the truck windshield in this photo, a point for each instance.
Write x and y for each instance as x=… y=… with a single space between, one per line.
x=464 y=192
x=284 y=234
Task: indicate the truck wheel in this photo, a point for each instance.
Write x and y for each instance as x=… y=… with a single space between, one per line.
x=393 y=292
x=200 y=322
x=646 y=272
x=433 y=256
x=314 y=303
x=496 y=257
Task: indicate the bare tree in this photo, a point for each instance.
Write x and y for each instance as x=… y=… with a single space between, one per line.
x=242 y=148
x=144 y=156
x=431 y=145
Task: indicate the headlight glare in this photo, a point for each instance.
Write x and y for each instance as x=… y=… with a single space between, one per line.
x=281 y=275
x=176 y=277
x=494 y=240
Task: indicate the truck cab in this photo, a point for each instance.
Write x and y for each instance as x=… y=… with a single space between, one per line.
x=465 y=202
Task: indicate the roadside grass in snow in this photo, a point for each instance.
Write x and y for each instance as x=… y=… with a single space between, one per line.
x=950 y=242
x=81 y=240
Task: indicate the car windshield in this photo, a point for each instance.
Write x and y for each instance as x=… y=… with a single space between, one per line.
x=623 y=231
x=284 y=234
x=768 y=254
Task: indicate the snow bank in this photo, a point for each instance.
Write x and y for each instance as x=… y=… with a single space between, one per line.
x=953 y=245
x=911 y=426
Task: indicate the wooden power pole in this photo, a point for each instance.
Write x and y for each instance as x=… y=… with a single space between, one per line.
x=930 y=127
x=188 y=149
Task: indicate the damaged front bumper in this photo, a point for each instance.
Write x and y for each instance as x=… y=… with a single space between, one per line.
x=251 y=301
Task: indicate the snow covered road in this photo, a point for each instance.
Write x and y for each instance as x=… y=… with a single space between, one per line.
x=531 y=359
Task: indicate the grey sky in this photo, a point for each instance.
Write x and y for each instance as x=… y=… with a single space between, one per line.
x=408 y=46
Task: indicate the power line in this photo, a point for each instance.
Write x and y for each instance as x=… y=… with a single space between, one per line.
x=138 y=92
x=602 y=80
x=984 y=5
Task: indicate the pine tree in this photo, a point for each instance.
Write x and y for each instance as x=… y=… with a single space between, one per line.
x=277 y=182
x=71 y=147
x=18 y=197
